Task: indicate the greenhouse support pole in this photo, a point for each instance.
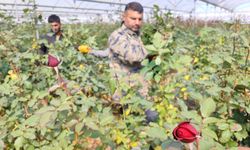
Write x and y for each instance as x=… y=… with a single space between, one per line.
x=206 y=15
x=16 y=14
x=35 y=19
x=194 y=12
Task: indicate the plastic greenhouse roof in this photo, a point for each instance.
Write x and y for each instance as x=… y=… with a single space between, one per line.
x=227 y=4
x=106 y=8
x=177 y=5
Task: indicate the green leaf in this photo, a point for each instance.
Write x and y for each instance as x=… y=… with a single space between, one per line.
x=64 y=107
x=235 y=127
x=45 y=118
x=32 y=121
x=196 y=95
x=182 y=105
x=158 y=41
x=89 y=123
x=106 y=120
x=150 y=48
x=29 y=135
x=158 y=60
x=208 y=106
x=156 y=132
x=45 y=109
x=216 y=59
x=149 y=75
x=206 y=143
x=19 y=143
x=222 y=126
x=79 y=127
x=207 y=131
x=27 y=85
x=214 y=91
x=71 y=123
x=145 y=62
x=42 y=94
x=171 y=144
x=157 y=78
x=241 y=135
x=225 y=136
x=192 y=115
x=233 y=145
x=17 y=133
x=2 y=144
x=112 y=85
x=185 y=60
x=210 y=120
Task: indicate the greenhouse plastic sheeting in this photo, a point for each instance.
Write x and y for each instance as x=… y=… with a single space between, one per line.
x=178 y=5
x=228 y=4
x=98 y=6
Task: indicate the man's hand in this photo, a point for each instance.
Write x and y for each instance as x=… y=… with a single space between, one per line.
x=43 y=49
x=84 y=49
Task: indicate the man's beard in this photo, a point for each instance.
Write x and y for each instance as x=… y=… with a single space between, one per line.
x=57 y=31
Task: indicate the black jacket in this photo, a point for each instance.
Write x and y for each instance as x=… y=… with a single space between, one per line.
x=51 y=38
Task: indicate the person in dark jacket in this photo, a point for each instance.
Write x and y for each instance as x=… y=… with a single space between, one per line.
x=55 y=34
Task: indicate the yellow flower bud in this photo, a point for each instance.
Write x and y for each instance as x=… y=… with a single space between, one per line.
x=84 y=48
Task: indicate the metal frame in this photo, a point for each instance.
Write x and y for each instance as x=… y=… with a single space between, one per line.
x=81 y=10
x=124 y=4
x=52 y=11
x=57 y=7
x=217 y=5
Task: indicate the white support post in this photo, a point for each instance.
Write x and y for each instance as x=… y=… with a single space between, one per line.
x=194 y=12
x=35 y=18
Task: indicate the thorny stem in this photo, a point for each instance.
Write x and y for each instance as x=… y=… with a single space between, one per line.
x=26 y=112
x=234 y=45
x=61 y=82
x=198 y=143
x=246 y=61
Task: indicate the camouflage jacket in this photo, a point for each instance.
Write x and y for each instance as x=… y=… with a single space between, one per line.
x=126 y=51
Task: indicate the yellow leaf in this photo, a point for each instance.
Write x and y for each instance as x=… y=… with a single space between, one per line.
x=133 y=144
x=81 y=66
x=170 y=106
x=204 y=78
x=187 y=77
x=118 y=139
x=127 y=112
x=13 y=76
x=196 y=60
x=158 y=148
x=183 y=89
x=10 y=72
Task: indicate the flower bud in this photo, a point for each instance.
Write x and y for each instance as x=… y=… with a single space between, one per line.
x=53 y=61
x=185 y=132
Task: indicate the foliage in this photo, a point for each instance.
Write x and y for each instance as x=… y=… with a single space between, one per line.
x=202 y=76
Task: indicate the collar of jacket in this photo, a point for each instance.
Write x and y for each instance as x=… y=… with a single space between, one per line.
x=129 y=31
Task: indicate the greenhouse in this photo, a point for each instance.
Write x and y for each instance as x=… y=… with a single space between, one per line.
x=125 y=74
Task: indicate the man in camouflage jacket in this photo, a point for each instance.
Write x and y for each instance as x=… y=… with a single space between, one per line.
x=126 y=52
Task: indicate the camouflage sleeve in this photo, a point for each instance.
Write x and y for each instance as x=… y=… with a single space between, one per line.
x=100 y=53
x=128 y=51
